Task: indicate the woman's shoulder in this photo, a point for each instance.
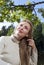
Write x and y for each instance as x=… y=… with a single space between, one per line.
x=2 y=37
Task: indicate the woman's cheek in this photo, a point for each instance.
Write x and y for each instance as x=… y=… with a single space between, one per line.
x=25 y=31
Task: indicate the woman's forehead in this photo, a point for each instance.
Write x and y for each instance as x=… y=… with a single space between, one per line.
x=24 y=23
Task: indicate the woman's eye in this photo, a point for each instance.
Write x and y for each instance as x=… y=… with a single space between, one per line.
x=21 y=25
x=26 y=27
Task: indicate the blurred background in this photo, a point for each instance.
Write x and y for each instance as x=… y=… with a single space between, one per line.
x=13 y=11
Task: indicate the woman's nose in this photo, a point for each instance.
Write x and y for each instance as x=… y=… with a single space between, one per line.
x=21 y=28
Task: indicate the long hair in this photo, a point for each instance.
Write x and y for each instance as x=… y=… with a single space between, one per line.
x=24 y=49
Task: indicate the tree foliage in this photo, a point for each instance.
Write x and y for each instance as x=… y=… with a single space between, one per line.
x=3 y=32
x=10 y=30
x=7 y=31
x=41 y=10
x=13 y=13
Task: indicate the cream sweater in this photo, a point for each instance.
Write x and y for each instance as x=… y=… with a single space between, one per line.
x=9 y=52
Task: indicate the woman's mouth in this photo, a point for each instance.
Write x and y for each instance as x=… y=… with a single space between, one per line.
x=20 y=31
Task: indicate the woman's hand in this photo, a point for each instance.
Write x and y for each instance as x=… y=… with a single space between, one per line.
x=31 y=43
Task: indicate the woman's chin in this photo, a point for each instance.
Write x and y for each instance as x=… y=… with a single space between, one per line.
x=17 y=33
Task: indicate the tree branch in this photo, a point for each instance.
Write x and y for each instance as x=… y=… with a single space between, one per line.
x=29 y=5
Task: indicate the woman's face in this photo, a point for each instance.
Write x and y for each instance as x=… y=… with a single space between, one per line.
x=22 y=29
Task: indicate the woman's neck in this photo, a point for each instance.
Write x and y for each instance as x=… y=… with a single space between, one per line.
x=18 y=38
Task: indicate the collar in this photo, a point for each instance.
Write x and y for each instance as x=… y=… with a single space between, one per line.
x=14 y=39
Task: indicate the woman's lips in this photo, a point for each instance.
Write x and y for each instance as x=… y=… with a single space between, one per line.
x=20 y=31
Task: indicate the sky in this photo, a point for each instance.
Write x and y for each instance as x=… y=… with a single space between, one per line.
x=7 y=24
x=4 y=24
x=19 y=2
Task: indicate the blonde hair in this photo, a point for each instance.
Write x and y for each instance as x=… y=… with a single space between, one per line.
x=24 y=49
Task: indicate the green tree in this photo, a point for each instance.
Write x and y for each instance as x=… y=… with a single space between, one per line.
x=12 y=13
x=3 y=32
x=37 y=34
x=5 y=7
x=10 y=30
x=41 y=10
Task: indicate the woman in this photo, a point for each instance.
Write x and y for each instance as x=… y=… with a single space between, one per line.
x=20 y=49
x=27 y=49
